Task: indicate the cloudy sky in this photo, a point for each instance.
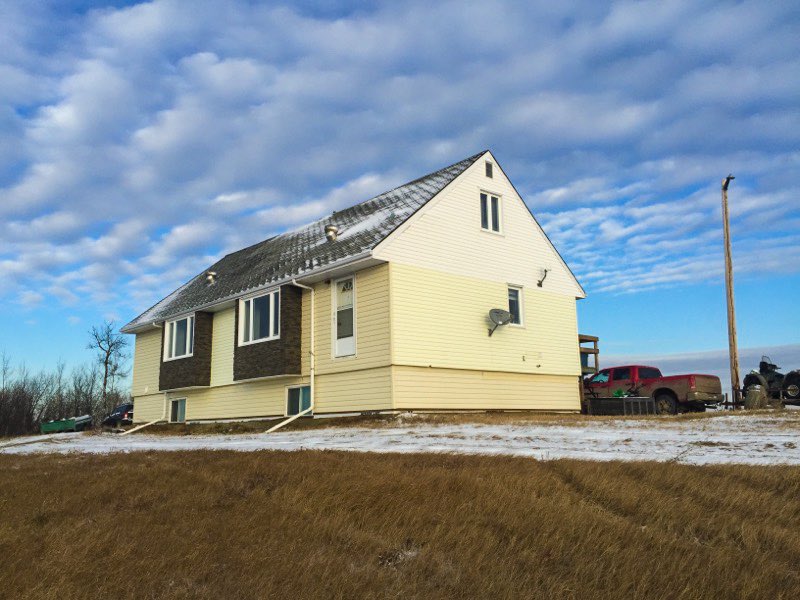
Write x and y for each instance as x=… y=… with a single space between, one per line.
x=139 y=142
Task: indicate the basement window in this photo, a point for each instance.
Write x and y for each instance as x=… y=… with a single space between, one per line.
x=298 y=399
x=179 y=338
x=490 y=212
x=515 y=304
x=177 y=413
x=259 y=318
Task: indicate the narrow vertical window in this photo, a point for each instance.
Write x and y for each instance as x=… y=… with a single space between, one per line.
x=489 y=167
x=345 y=344
x=484 y=211
x=261 y=324
x=491 y=212
x=276 y=314
x=246 y=334
x=515 y=304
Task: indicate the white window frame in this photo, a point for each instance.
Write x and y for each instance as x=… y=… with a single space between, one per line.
x=489 y=195
x=521 y=297
x=240 y=325
x=169 y=340
x=334 y=310
x=294 y=387
x=171 y=403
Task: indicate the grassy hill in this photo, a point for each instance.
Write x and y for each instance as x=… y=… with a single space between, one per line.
x=340 y=525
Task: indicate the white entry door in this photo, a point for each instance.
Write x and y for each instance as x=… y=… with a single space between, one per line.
x=344 y=317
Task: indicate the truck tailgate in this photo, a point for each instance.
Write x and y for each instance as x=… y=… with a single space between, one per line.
x=707 y=383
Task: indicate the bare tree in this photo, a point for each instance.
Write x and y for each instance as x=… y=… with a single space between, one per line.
x=109 y=347
x=5 y=370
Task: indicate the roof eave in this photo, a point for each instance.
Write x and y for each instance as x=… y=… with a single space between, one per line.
x=314 y=273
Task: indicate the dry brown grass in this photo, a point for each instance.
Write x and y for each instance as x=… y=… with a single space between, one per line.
x=339 y=525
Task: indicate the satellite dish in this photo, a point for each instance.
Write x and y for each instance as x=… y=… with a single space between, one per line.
x=499 y=317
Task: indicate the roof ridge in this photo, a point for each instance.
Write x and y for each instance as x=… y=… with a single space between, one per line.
x=470 y=159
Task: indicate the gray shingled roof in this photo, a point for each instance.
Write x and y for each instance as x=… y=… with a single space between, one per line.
x=301 y=252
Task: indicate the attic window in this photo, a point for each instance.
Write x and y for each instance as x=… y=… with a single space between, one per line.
x=490 y=212
x=489 y=168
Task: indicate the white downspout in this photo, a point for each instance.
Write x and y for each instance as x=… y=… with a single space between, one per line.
x=312 y=365
x=163 y=418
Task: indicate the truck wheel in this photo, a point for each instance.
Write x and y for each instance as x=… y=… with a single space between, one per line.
x=666 y=405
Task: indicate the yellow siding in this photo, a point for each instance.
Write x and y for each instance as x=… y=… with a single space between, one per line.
x=440 y=320
x=354 y=391
x=338 y=392
x=146 y=363
x=372 y=324
x=148 y=408
x=420 y=388
x=264 y=398
x=446 y=236
x=222 y=338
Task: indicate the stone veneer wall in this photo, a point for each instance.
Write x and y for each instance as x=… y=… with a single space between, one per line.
x=191 y=371
x=275 y=357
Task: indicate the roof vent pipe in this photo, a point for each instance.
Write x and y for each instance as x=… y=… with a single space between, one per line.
x=331 y=232
x=211 y=277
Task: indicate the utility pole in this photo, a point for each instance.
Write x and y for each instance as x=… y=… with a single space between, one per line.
x=733 y=351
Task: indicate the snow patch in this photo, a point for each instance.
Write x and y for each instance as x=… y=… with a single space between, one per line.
x=740 y=439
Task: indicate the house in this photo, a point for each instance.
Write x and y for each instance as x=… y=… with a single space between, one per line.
x=392 y=295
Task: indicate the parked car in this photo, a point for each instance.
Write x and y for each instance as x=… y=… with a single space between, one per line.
x=121 y=415
x=777 y=385
x=687 y=392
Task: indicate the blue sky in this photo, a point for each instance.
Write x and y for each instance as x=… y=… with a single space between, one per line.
x=140 y=142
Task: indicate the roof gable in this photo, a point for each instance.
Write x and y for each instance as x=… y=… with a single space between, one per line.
x=446 y=235
x=305 y=250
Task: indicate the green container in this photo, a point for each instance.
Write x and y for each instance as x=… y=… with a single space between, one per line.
x=73 y=424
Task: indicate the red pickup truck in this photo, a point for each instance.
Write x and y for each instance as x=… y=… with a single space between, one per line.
x=689 y=392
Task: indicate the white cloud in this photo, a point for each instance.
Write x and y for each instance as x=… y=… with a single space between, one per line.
x=29 y=298
x=146 y=141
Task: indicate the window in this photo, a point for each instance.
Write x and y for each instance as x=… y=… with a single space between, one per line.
x=179 y=340
x=259 y=318
x=489 y=168
x=345 y=344
x=601 y=377
x=490 y=212
x=649 y=373
x=298 y=399
x=177 y=413
x=622 y=374
x=515 y=304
